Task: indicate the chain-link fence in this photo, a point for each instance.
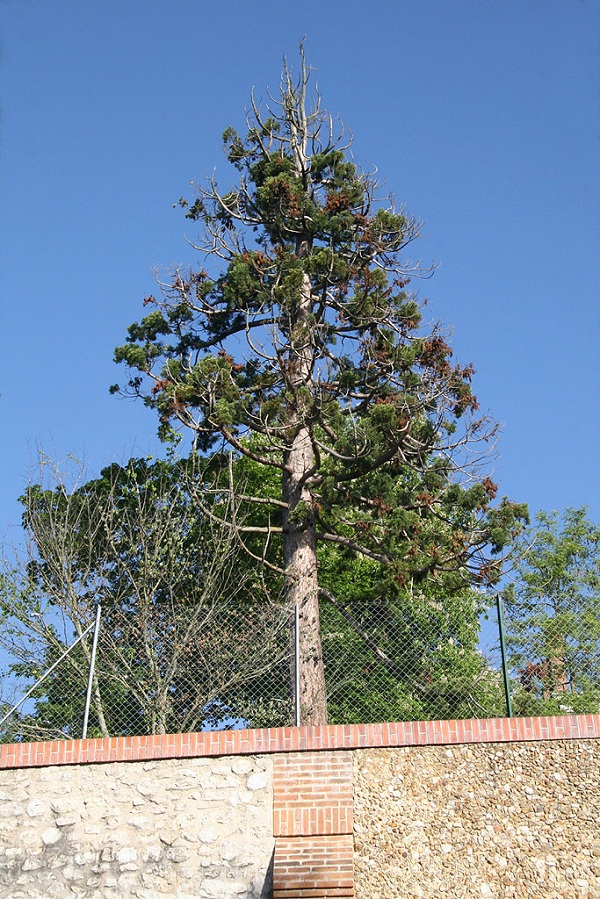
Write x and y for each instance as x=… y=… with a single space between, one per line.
x=413 y=661
x=234 y=666
x=194 y=635
x=174 y=671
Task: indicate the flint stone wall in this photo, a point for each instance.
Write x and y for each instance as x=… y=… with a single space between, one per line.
x=487 y=808
x=495 y=821
x=200 y=827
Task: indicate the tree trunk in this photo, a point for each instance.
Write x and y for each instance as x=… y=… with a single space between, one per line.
x=299 y=531
x=301 y=583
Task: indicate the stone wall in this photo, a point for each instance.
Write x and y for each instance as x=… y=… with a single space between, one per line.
x=484 y=808
x=510 y=821
x=188 y=828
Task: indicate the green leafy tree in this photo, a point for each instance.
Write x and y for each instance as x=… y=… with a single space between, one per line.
x=188 y=635
x=393 y=649
x=301 y=347
x=402 y=652
x=553 y=615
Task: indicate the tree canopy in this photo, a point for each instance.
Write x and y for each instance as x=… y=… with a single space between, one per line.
x=299 y=344
x=188 y=637
x=553 y=612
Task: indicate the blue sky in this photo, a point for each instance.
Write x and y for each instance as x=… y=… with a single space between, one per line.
x=483 y=117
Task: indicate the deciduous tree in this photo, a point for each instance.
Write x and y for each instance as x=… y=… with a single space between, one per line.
x=553 y=615
x=188 y=635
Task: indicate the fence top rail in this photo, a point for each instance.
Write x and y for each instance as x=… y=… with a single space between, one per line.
x=299 y=739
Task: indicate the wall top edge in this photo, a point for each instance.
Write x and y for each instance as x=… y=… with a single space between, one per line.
x=299 y=739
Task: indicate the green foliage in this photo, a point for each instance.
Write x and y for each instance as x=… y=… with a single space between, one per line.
x=172 y=657
x=380 y=398
x=304 y=351
x=553 y=613
x=395 y=647
x=402 y=651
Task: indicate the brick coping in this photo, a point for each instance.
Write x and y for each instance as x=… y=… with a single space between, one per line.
x=298 y=739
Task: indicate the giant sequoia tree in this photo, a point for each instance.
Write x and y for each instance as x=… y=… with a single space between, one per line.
x=300 y=345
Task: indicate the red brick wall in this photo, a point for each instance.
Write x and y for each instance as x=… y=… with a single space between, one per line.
x=318 y=867
x=298 y=739
x=312 y=825
x=312 y=793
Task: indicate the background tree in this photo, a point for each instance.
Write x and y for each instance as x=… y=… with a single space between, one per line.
x=403 y=652
x=553 y=615
x=185 y=640
x=392 y=650
x=306 y=338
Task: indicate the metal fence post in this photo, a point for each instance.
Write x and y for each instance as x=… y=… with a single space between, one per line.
x=509 y=713
x=45 y=674
x=297 y=664
x=88 y=697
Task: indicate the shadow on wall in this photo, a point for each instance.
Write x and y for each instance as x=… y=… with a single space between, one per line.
x=267 y=889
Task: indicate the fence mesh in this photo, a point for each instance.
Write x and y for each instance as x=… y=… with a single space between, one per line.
x=233 y=666
x=408 y=664
x=174 y=671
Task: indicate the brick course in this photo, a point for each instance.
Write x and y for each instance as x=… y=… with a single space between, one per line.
x=320 y=867
x=299 y=739
x=312 y=823
x=312 y=793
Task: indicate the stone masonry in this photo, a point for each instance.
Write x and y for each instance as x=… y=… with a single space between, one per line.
x=495 y=821
x=198 y=828
x=488 y=809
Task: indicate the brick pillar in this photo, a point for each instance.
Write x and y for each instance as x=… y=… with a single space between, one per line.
x=312 y=824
